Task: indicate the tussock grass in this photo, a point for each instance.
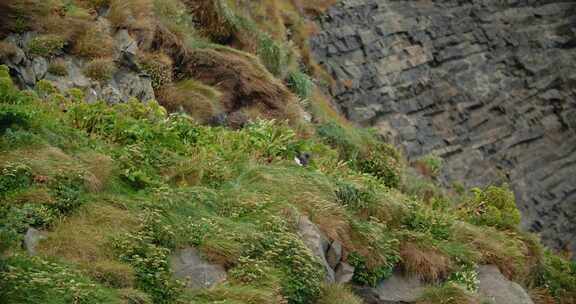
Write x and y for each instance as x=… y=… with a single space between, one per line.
x=336 y=293
x=83 y=238
x=447 y=294
x=200 y=101
x=428 y=264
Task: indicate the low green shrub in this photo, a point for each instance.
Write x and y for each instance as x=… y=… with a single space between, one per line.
x=13 y=177
x=301 y=84
x=492 y=206
x=365 y=275
x=46 y=45
x=151 y=265
x=383 y=161
x=338 y=138
x=33 y=280
x=159 y=68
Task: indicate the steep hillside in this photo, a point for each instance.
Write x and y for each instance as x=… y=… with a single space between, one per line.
x=240 y=184
x=486 y=85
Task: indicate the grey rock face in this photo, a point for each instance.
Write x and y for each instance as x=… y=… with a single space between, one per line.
x=188 y=265
x=495 y=288
x=334 y=254
x=344 y=273
x=31 y=240
x=397 y=289
x=317 y=243
x=126 y=83
x=487 y=85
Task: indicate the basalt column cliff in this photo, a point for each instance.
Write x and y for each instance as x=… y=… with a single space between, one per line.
x=488 y=85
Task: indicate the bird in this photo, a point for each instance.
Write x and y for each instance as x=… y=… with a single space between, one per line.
x=303 y=159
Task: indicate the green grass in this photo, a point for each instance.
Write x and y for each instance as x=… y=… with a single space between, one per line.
x=142 y=183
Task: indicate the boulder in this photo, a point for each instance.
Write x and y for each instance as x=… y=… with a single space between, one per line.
x=398 y=289
x=334 y=254
x=317 y=243
x=31 y=240
x=188 y=265
x=496 y=289
x=344 y=273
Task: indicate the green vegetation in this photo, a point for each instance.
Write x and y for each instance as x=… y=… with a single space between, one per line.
x=100 y=69
x=119 y=188
x=46 y=45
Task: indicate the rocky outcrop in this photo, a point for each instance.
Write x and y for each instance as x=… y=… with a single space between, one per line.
x=397 y=289
x=188 y=265
x=328 y=253
x=488 y=85
x=31 y=240
x=128 y=81
x=496 y=289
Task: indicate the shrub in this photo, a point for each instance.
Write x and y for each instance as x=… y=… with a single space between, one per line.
x=33 y=280
x=151 y=265
x=383 y=162
x=159 y=68
x=301 y=85
x=276 y=57
x=338 y=138
x=13 y=118
x=285 y=251
x=46 y=45
x=100 y=69
x=365 y=275
x=493 y=206
x=429 y=165
x=58 y=68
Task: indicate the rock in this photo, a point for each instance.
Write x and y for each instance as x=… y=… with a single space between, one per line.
x=486 y=89
x=344 y=273
x=398 y=289
x=111 y=94
x=334 y=254
x=187 y=264
x=317 y=243
x=125 y=43
x=495 y=288
x=40 y=67
x=130 y=84
x=31 y=240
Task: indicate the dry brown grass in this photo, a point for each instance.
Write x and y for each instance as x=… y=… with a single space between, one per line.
x=314 y=7
x=428 y=264
x=137 y=16
x=541 y=296
x=245 y=83
x=99 y=168
x=93 y=41
x=200 y=101
x=111 y=273
x=7 y=50
x=503 y=249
